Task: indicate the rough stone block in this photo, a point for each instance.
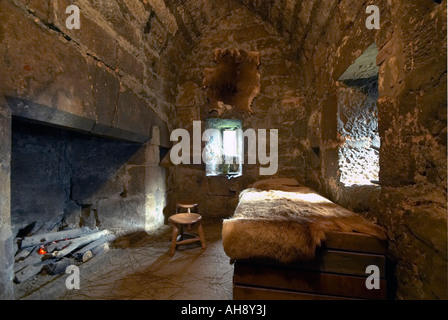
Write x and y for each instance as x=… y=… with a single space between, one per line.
x=132 y=115
x=155 y=180
x=92 y=34
x=165 y=15
x=130 y=64
x=138 y=158
x=6 y=263
x=218 y=186
x=188 y=179
x=135 y=180
x=40 y=8
x=72 y=214
x=154 y=212
x=299 y=129
x=105 y=91
x=63 y=77
x=438 y=279
x=328 y=121
x=190 y=95
x=5 y=160
x=157 y=35
x=152 y=155
x=186 y=116
x=122 y=215
x=428 y=223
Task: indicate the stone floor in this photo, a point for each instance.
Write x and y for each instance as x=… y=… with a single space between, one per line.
x=140 y=267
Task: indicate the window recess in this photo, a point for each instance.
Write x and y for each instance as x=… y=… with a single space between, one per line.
x=223 y=152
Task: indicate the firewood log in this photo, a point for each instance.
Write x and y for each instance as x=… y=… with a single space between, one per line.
x=85 y=253
x=78 y=242
x=24 y=253
x=32 y=258
x=30 y=271
x=102 y=248
x=54 y=236
x=59 y=266
x=96 y=252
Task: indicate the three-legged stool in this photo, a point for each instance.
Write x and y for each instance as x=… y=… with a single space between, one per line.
x=190 y=206
x=185 y=220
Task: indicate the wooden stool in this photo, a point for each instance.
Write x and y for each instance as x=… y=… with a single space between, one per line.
x=190 y=206
x=189 y=220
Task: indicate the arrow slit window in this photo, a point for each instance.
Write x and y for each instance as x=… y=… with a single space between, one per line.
x=223 y=152
x=358 y=121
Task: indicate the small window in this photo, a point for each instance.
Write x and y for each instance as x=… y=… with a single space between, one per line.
x=223 y=150
x=358 y=121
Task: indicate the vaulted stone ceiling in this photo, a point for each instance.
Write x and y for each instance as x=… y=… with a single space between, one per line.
x=291 y=18
x=295 y=20
x=314 y=29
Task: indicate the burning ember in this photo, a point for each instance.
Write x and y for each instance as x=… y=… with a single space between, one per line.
x=41 y=250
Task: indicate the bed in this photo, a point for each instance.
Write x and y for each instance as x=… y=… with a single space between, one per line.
x=288 y=242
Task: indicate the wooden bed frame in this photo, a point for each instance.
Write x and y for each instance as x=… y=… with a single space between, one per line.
x=337 y=272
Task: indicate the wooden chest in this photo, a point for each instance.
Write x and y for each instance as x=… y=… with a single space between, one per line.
x=338 y=271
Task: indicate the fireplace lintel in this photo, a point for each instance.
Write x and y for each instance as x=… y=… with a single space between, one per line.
x=29 y=110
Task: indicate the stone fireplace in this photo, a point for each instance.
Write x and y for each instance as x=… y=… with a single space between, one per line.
x=63 y=174
x=78 y=179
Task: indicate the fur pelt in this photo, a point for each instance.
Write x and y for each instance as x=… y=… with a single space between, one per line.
x=286 y=223
x=235 y=81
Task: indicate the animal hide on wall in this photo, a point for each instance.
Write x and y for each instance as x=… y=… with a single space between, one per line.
x=234 y=82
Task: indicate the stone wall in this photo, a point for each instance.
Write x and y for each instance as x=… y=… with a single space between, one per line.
x=413 y=166
x=6 y=237
x=111 y=78
x=277 y=106
x=319 y=41
x=411 y=202
x=103 y=73
x=358 y=129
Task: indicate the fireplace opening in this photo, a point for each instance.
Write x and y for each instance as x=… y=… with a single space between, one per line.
x=68 y=187
x=61 y=176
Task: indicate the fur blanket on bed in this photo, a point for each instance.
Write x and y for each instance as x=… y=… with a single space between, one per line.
x=284 y=221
